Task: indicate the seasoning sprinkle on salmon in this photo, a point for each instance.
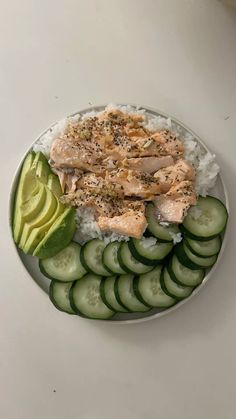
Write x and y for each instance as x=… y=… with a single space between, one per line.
x=113 y=164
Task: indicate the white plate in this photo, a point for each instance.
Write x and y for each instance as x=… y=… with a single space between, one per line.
x=31 y=263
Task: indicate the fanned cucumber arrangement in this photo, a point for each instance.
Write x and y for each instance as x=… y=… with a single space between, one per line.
x=98 y=280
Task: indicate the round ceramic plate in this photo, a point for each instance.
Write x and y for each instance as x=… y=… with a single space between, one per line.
x=219 y=191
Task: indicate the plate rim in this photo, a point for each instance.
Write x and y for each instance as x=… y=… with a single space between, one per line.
x=155 y=112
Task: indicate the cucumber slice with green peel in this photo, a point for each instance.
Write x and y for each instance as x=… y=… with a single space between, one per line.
x=59 y=295
x=149 y=254
x=65 y=266
x=204 y=263
x=110 y=258
x=205 y=220
x=187 y=258
x=125 y=295
x=183 y=275
x=58 y=236
x=173 y=289
x=85 y=298
x=204 y=248
x=91 y=257
x=129 y=263
x=162 y=232
x=108 y=294
x=147 y=288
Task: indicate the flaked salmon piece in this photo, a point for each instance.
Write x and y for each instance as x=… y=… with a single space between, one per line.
x=66 y=153
x=173 y=206
x=168 y=143
x=148 y=164
x=98 y=184
x=169 y=210
x=134 y=183
x=175 y=173
x=68 y=179
x=184 y=192
x=135 y=132
x=105 y=206
x=151 y=145
x=131 y=224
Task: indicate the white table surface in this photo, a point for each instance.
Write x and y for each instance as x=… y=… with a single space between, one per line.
x=56 y=57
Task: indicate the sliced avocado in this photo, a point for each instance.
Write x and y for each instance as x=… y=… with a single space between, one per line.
x=38 y=233
x=54 y=185
x=43 y=217
x=38 y=160
x=39 y=157
x=19 y=197
x=29 y=210
x=32 y=207
x=59 y=235
x=42 y=172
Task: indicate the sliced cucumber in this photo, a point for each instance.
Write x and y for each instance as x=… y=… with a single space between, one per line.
x=204 y=248
x=148 y=289
x=173 y=289
x=149 y=255
x=110 y=258
x=206 y=219
x=59 y=295
x=187 y=258
x=163 y=233
x=125 y=294
x=86 y=299
x=107 y=292
x=183 y=275
x=65 y=266
x=129 y=263
x=91 y=257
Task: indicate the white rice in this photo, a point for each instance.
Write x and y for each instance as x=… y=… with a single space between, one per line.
x=176 y=237
x=148 y=242
x=87 y=228
x=204 y=162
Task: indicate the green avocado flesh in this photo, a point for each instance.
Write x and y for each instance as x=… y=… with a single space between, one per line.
x=37 y=233
x=21 y=196
x=43 y=172
x=43 y=217
x=59 y=235
x=54 y=185
x=41 y=225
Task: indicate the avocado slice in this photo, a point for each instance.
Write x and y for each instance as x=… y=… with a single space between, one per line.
x=39 y=160
x=42 y=172
x=38 y=233
x=43 y=217
x=39 y=157
x=31 y=208
x=19 y=196
x=59 y=235
x=54 y=185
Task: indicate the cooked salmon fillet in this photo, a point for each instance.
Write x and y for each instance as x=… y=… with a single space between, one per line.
x=131 y=224
x=112 y=163
x=133 y=183
x=174 y=174
x=148 y=164
x=172 y=206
